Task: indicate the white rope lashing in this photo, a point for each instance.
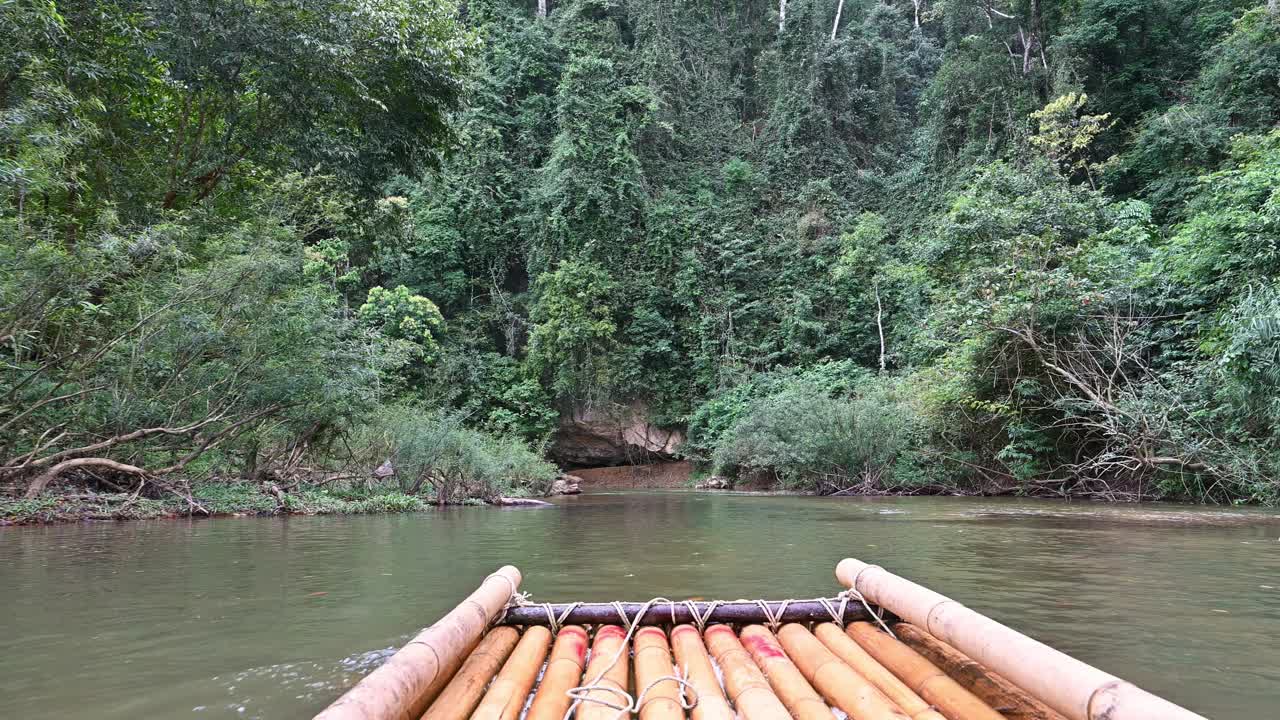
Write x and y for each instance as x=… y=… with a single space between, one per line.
x=632 y=705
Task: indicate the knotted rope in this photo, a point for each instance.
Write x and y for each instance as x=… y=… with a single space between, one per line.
x=556 y=622
x=772 y=619
x=698 y=620
x=853 y=592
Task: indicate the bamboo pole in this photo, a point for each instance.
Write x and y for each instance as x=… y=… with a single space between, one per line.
x=564 y=671
x=464 y=691
x=695 y=663
x=922 y=676
x=404 y=685
x=677 y=613
x=506 y=696
x=748 y=689
x=843 y=647
x=1077 y=690
x=799 y=697
x=840 y=684
x=1008 y=699
x=600 y=704
x=661 y=698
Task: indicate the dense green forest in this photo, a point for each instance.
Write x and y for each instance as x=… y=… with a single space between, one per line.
x=977 y=246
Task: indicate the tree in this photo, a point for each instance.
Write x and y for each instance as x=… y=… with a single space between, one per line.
x=573 y=329
x=401 y=315
x=1065 y=134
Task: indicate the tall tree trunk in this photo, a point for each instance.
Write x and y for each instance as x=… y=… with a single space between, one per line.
x=917 y=4
x=542 y=8
x=880 y=324
x=782 y=16
x=835 y=26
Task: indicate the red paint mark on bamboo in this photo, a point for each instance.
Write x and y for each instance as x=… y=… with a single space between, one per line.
x=679 y=629
x=575 y=640
x=651 y=631
x=763 y=647
x=608 y=631
x=718 y=629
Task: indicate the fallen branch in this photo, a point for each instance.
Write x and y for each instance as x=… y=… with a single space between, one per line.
x=43 y=479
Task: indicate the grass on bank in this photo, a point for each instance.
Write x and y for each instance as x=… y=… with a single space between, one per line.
x=218 y=499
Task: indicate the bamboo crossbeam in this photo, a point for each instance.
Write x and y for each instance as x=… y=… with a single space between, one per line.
x=692 y=658
x=1073 y=688
x=1008 y=699
x=403 y=686
x=678 y=613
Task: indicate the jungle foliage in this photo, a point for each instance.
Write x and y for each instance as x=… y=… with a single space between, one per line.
x=996 y=246
x=190 y=188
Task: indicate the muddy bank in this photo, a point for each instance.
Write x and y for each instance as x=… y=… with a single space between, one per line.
x=664 y=475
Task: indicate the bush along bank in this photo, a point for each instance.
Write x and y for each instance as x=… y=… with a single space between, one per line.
x=226 y=500
x=399 y=459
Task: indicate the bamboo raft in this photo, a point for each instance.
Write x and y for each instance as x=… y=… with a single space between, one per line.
x=884 y=649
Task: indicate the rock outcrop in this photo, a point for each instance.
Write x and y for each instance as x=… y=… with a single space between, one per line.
x=566 y=485
x=614 y=435
x=716 y=482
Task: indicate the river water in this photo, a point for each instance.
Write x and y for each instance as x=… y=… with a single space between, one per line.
x=273 y=617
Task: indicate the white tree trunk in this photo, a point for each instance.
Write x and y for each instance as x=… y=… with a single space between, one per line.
x=835 y=26
x=542 y=8
x=880 y=324
x=782 y=15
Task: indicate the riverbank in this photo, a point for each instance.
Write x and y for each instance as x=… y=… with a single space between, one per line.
x=240 y=499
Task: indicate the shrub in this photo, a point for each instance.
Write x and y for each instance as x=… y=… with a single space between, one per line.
x=436 y=451
x=807 y=439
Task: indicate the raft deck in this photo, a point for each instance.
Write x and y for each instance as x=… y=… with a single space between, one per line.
x=885 y=649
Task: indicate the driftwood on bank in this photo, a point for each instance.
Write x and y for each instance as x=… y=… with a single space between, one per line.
x=677 y=613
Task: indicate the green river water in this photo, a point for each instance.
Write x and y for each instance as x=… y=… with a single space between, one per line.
x=273 y=617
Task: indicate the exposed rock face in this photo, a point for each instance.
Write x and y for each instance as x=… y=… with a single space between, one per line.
x=616 y=435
